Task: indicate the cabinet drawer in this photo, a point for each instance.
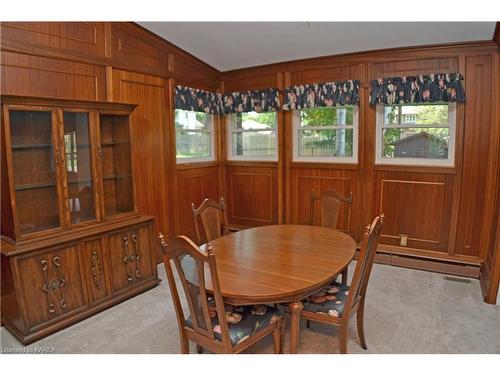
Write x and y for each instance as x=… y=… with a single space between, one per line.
x=52 y=284
x=95 y=268
x=130 y=256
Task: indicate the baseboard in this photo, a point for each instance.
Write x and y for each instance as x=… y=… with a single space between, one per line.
x=431 y=265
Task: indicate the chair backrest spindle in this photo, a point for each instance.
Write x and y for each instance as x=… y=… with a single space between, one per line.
x=190 y=261
x=213 y=219
x=364 y=263
x=330 y=205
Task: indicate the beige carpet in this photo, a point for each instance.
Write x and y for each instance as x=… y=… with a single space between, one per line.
x=407 y=311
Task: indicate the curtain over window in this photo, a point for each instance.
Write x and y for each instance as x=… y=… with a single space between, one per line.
x=252 y=101
x=198 y=100
x=418 y=89
x=328 y=94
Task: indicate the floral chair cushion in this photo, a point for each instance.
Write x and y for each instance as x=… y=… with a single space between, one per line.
x=243 y=321
x=329 y=300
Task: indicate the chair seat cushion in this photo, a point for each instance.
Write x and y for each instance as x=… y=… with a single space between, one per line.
x=329 y=300
x=243 y=321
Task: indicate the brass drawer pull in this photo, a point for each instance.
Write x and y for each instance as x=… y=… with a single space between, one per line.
x=96 y=270
x=63 y=303
x=137 y=257
x=126 y=259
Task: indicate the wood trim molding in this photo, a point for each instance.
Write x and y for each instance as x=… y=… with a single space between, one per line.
x=496 y=34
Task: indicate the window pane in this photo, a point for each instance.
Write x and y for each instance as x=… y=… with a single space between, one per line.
x=423 y=114
x=321 y=143
x=192 y=120
x=391 y=115
x=254 y=121
x=193 y=135
x=327 y=116
x=258 y=143
x=193 y=144
x=415 y=143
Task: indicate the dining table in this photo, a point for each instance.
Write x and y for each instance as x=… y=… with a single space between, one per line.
x=280 y=264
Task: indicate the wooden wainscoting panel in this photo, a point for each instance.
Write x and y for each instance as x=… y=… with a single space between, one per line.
x=46 y=77
x=135 y=49
x=323 y=74
x=415 y=205
x=260 y=81
x=306 y=184
x=193 y=186
x=252 y=195
x=149 y=141
x=191 y=72
x=305 y=180
x=71 y=39
x=475 y=154
x=416 y=66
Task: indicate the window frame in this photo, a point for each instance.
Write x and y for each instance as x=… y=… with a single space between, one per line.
x=422 y=162
x=210 y=131
x=231 y=131
x=326 y=159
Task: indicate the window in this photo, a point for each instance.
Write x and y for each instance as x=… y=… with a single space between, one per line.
x=194 y=138
x=71 y=152
x=252 y=136
x=422 y=134
x=327 y=134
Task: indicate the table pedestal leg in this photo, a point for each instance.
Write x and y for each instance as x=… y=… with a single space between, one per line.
x=295 y=309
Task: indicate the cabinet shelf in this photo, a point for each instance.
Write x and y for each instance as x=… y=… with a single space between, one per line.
x=79 y=182
x=116 y=177
x=114 y=143
x=34 y=186
x=31 y=145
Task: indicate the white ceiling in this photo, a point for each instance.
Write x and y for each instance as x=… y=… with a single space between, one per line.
x=234 y=45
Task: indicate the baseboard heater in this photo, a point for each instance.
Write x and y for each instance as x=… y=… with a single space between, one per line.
x=427 y=264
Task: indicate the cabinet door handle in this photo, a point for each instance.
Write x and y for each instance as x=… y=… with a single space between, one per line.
x=137 y=257
x=99 y=152
x=126 y=259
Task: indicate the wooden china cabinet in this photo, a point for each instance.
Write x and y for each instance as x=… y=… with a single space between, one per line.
x=72 y=241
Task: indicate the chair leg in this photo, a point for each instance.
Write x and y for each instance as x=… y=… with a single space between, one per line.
x=282 y=334
x=343 y=337
x=277 y=338
x=344 y=276
x=308 y=323
x=360 y=320
x=184 y=345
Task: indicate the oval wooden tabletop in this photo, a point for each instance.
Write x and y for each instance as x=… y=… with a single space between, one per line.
x=279 y=262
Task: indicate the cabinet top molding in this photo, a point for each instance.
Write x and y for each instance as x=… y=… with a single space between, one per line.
x=55 y=102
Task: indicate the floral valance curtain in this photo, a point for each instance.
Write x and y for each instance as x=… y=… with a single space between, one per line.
x=321 y=95
x=249 y=101
x=197 y=100
x=418 y=89
x=209 y=102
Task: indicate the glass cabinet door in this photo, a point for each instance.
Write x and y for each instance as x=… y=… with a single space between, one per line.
x=116 y=164
x=78 y=167
x=34 y=170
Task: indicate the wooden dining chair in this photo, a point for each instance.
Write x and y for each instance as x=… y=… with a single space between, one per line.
x=336 y=303
x=213 y=218
x=211 y=324
x=330 y=204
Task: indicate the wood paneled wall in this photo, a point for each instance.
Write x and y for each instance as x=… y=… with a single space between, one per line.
x=449 y=214
x=119 y=62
